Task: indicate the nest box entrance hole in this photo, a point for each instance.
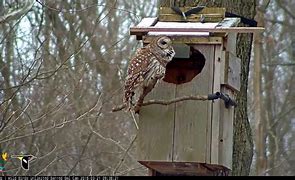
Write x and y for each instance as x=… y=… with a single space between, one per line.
x=187 y=64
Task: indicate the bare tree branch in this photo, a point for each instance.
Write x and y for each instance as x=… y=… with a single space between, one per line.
x=15 y=14
x=166 y=103
x=124 y=156
x=284 y=7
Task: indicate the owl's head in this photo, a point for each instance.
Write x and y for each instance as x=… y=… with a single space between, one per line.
x=163 y=47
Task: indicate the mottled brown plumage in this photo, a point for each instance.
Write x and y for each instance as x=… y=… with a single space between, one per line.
x=146 y=68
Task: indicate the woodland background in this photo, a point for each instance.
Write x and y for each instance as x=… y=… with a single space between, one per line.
x=62 y=67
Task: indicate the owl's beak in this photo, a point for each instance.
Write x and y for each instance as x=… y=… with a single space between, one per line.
x=170 y=54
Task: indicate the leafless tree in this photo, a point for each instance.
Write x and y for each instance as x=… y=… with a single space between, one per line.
x=62 y=64
x=275 y=145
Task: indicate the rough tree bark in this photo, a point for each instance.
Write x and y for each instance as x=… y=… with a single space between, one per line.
x=243 y=141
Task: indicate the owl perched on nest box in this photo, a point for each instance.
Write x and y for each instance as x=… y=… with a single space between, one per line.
x=145 y=69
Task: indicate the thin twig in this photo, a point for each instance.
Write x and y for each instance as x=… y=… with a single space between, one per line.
x=81 y=117
x=117 y=143
x=166 y=103
x=135 y=122
x=83 y=9
x=125 y=154
x=22 y=112
x=45 y=168
x=88 y=139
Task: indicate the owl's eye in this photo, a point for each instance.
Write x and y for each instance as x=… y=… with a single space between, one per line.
x=163 y=42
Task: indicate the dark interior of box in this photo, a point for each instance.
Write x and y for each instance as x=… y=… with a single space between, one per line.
x=183 y=70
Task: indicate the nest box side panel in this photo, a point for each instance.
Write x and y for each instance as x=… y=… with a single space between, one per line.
x=192 y=133
x=226 y=132
x=232 y=70
x=156 y=122
x=218 y=74
x=231 y=43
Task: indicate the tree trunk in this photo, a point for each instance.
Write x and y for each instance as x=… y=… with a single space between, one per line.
x=260 y=126
x=243 y=142
x=260 y=123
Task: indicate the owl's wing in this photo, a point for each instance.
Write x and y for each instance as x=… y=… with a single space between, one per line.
x=137 y=70
x=140 y=61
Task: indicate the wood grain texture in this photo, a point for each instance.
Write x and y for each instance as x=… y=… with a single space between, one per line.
x=243 y=145
x=191 y=118
x=243 y=141
x=225 y=141
x=216 y=105
x=192 y=18
x=232 y=71
x=156 y=125
x=231 y=43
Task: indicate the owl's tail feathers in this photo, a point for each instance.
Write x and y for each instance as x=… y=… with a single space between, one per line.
x=127 y=101
x=128 y=106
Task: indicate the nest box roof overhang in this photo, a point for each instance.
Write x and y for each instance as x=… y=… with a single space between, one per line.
x=154 y=27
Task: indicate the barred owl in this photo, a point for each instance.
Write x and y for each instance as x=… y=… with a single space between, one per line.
x=145 y=69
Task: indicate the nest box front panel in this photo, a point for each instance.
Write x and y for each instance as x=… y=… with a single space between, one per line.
x=156 y=125
x=181 y=131
x=190 y=131
x=193 y=118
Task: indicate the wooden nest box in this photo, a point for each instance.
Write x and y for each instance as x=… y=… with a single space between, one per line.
x=191 y=137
